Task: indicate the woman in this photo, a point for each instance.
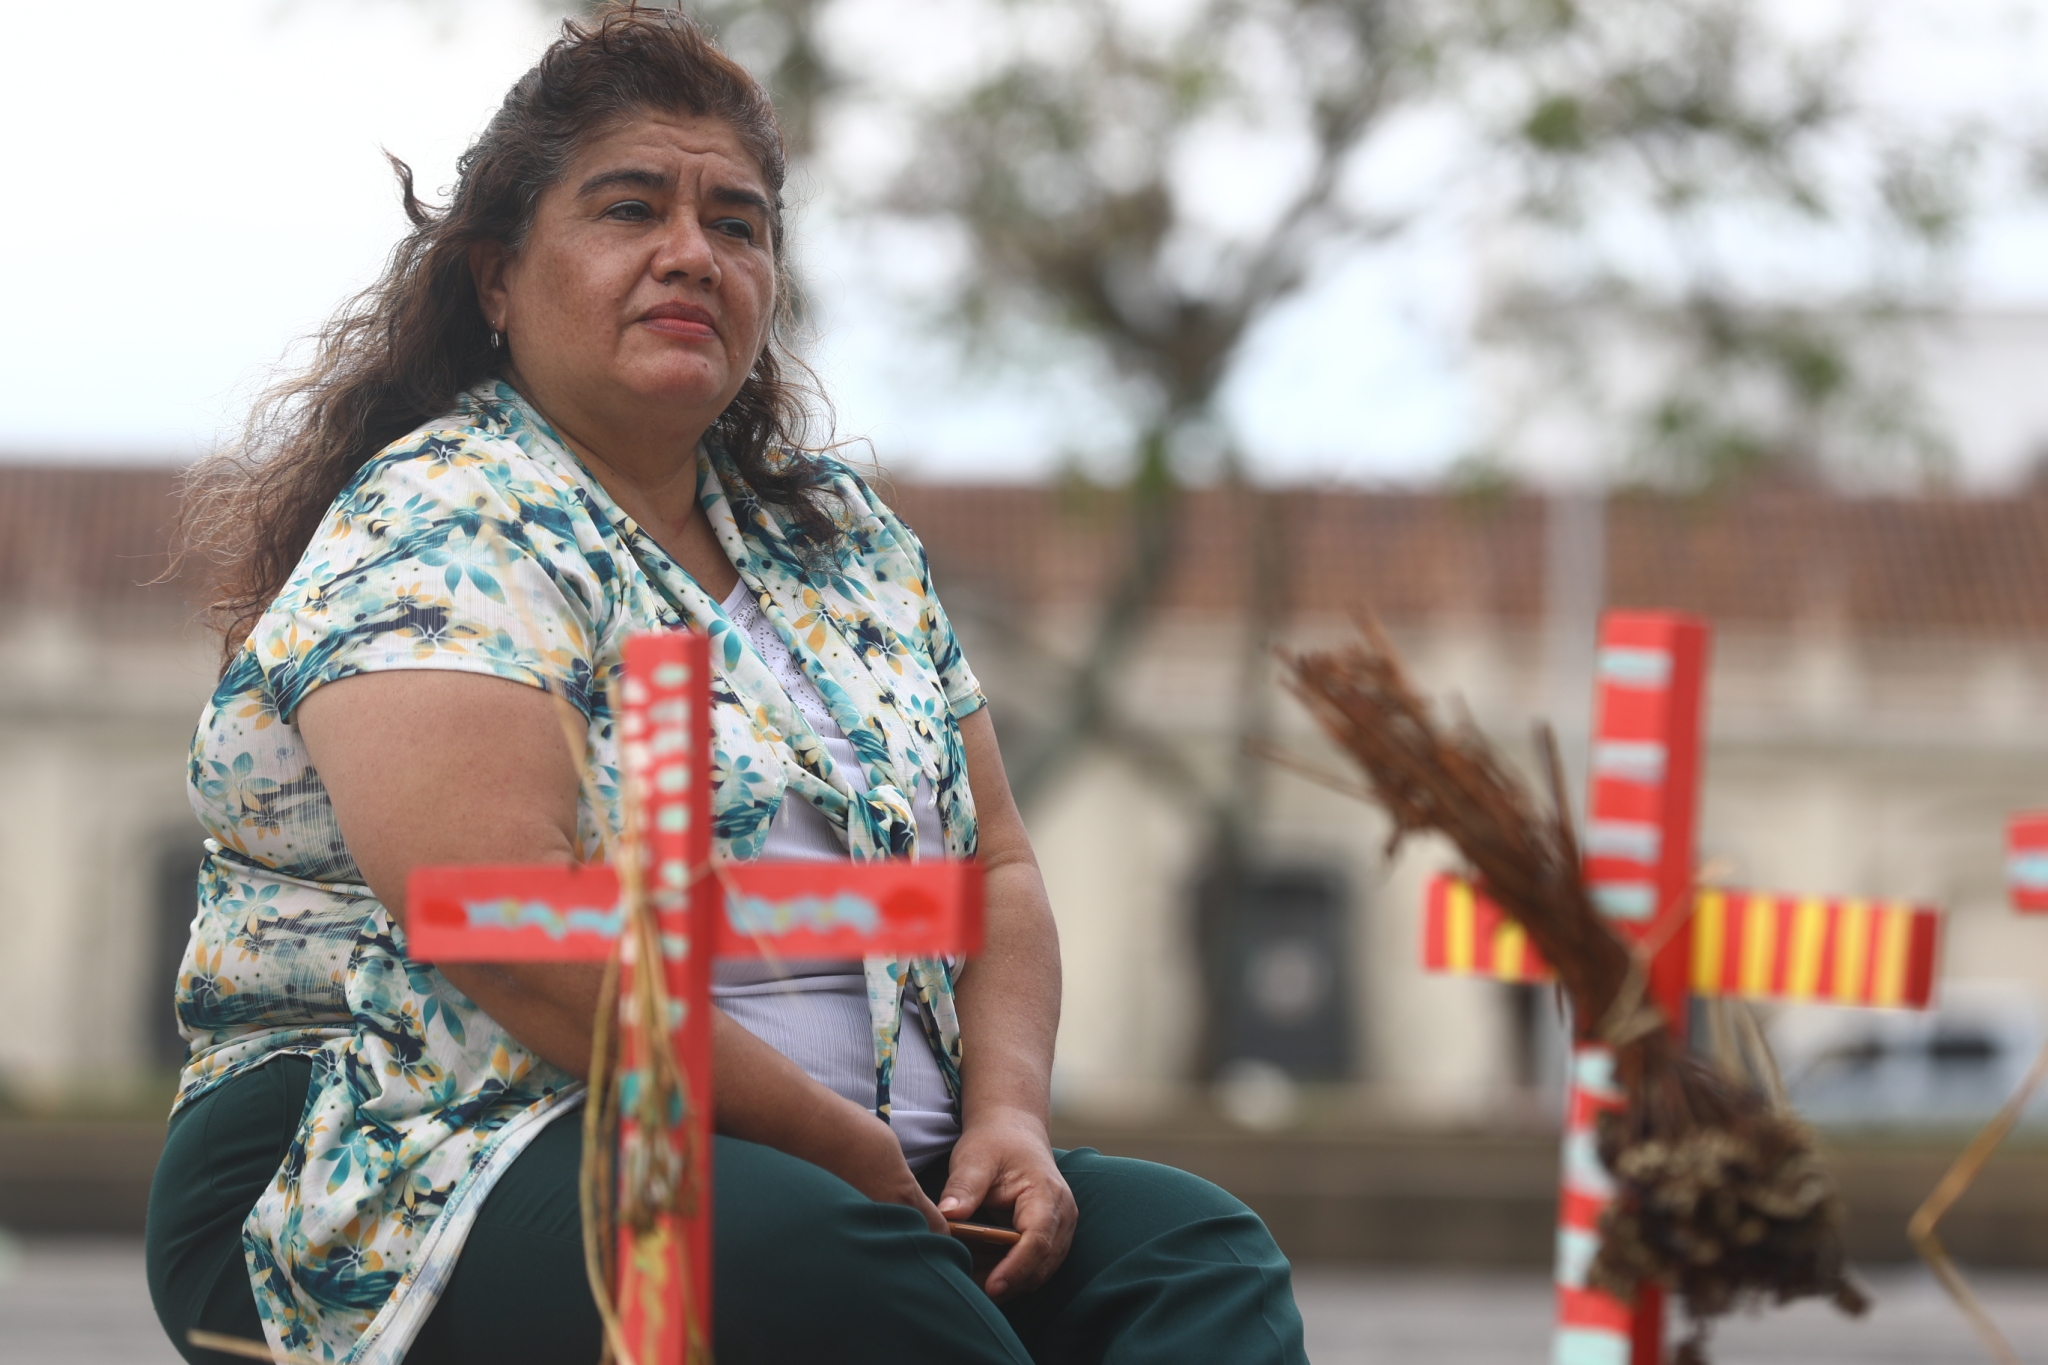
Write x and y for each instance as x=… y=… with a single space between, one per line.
x=558 y=420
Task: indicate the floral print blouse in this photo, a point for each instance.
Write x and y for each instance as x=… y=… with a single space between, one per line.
x=480 y=544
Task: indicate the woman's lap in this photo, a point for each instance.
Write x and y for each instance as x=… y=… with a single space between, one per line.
x=809 y=1268
x=519 y=1291
x=1165 y=1267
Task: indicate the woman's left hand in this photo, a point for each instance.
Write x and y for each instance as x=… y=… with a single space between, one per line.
x=1004 y=1161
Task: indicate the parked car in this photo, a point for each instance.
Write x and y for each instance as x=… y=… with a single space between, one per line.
x=1950 y=1067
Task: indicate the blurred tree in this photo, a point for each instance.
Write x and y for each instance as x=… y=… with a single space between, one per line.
x=1155 y=181
x=1645 y=189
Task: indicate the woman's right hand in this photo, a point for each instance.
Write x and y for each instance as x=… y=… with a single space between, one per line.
x=762 y=1096
x=866 y=1155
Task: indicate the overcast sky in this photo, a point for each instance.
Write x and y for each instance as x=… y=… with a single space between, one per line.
x=204 y=183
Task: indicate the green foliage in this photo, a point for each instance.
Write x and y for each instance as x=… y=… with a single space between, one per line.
x=1065 y=170
x=1082 y=174
x=1622 y=151
x=1480 y=481
x=779 y=41
x=1926 y=189
x=1557 y=125
x=1152 y=182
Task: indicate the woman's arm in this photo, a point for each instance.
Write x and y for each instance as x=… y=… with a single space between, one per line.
x=426 y=768
x=1009 y=1004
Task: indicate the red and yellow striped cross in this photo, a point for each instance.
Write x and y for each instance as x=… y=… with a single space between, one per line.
x=1743 y=943
x=1650 y=680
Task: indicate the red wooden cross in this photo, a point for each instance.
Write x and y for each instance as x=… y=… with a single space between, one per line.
x=2026 y=862
x=1640 y=819
x=742 y=909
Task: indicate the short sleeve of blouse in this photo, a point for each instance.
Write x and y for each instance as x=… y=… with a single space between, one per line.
x=449 y=552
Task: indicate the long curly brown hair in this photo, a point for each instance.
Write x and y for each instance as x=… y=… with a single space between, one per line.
x=399 y=353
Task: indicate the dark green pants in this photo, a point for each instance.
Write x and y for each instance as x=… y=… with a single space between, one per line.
x=1165 y=1269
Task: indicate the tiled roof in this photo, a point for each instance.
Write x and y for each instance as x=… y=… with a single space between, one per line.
x=74 y=533
x=1870 y=565
x=1405 y=554
x=1875 y=565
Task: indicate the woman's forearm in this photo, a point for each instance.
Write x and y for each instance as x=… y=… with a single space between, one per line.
x=1009 y=1002
x=1008 y=999
x=762 y=1096
x=548 y=1006
x=758 y=1094
x=1008 y=996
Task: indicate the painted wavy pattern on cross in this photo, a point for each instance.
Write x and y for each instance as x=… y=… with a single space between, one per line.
x=760 y=915
x=557 y=922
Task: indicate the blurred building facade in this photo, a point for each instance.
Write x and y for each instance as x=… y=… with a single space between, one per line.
x=1878 y=703
x=103 y=680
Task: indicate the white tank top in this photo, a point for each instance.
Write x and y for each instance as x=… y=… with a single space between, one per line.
x=815 y=1012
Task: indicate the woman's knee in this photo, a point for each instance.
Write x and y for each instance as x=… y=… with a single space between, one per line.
x=1164 y=1267
x=1145 y=1194
x=1136 y=1213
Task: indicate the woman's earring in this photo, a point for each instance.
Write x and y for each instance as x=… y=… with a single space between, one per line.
x=497 y=340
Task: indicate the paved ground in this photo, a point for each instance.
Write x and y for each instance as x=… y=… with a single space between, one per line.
x=1381 y=1318
x=78 y=1302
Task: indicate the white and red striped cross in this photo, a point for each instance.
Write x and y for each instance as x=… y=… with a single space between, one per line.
x=1650 y=692
x=2026 y=862
x=743 y=909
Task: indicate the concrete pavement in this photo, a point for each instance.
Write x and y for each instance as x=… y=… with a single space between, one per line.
x=81 y=1301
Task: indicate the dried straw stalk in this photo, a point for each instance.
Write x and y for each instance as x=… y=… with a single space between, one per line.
x=1720 y=1198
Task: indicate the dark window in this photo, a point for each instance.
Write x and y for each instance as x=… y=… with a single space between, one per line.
x=1290 y=974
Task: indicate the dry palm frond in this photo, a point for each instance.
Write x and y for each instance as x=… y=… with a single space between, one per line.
x=244 y=1347
x=1953 y=1184
x=1720 y=1198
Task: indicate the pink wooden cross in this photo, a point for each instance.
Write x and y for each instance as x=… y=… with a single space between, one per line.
x=1639 y=866
x=744 y=909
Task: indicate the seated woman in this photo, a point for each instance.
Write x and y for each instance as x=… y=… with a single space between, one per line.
x=559 y=419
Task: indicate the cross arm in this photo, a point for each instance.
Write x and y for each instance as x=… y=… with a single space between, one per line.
x=784 y=909
x=1749 y=944
x=2026 y=862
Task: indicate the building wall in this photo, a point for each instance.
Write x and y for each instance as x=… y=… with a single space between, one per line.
x=96 y=711
x=1841 y=759
x=1835 y=765
x=1885 y=768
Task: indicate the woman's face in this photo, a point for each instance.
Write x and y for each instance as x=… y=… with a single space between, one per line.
x=647 y=282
